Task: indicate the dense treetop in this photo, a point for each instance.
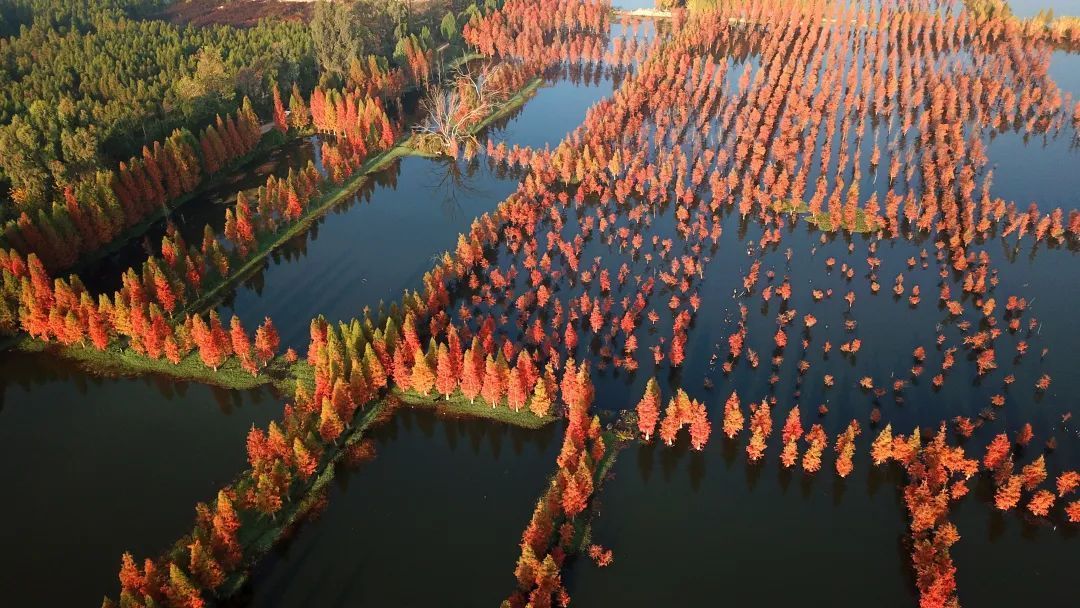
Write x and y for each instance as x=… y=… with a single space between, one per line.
x=84 y=85
x=80 y=86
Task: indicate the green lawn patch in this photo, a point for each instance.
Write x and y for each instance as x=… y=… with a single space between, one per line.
x=821 y=220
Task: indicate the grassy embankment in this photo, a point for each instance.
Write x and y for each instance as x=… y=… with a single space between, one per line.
x=822 y=220
x=259 y=535
x=269 y=142
x=117 y=361
x=615 y=440
x=114 y=361
x=617 y=437
x=510 y=105
x=583 y=525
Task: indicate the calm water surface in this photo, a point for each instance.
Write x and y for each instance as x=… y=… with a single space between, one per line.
x=450 y=498
x=371 y=248
x=96 y=467
x=1029 y=8
x=445 y=497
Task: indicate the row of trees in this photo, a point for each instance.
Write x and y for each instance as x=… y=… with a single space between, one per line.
x=98 y=211
x=682 y=410
x=360 y=121
x=555 y=530
x=545 y=32
x=481 y=372
x=138 y=81
x=770 y=147
x=62 y=311
x=998 y=460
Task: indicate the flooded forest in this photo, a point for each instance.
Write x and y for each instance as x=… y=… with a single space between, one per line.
x=532 y=303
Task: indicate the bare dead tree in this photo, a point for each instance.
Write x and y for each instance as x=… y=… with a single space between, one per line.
x=452 y=114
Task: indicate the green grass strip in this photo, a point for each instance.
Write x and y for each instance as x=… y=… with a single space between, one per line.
x=260 y=535
x=267 y=144
x=114 y=361
x=457 y=404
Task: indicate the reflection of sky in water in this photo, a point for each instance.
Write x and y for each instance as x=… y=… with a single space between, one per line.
x=1028 y=8
x=96 y=467
x=560 y=105
x=552 y=113
x=1065 y=70
x=633 y=4
x=1031 y=169
x=369 y=249
x=437 y=488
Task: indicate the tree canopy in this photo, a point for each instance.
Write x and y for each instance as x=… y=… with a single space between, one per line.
x=85 y=86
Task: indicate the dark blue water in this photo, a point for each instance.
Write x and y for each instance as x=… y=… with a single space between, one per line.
x=450 y=498
x=95 y=467
x=708 y=527
x=554 y=111
x=371 y=248
x=445 y=497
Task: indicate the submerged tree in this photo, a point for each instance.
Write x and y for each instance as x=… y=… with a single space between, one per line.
x=648 y=409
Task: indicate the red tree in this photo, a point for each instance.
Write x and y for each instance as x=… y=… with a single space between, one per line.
x=267 y=342
x=648 y=409
x=494 y=382
x=733 y=416
x=225 y=527
x=445 y=382
x=700 y=429
x=279 y=112
x=471 y=376
x=241 y=345
x=516 y=394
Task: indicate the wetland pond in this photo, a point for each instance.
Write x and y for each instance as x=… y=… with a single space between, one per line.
x=450 y=497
